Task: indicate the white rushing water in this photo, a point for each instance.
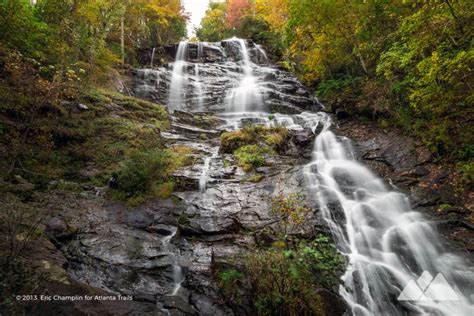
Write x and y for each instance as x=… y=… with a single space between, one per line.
x=199 y=98
x=386 y=242
x=178 y=275
x=206 y=168
x=247 y=96
x=388 y=245
x=152 y=57
x=178 y=79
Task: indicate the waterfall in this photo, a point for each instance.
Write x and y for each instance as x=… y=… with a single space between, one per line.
x=152 y=57
x=247 y=95
x=178 y=275
x=387 y=243
x=198 y=87
x=205 y=170
x=261 y=51
x=200 y=51
x=178 y=79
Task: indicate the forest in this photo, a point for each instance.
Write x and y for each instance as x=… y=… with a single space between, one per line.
x=404 y=63
x=287 y=157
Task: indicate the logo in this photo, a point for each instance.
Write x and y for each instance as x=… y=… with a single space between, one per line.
x=427 y=288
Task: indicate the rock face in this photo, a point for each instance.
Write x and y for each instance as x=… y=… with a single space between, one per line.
x=210 y=72
x=134 y=251
x=163 y=251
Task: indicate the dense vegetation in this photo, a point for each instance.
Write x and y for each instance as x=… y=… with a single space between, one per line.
x=252 y=144
x=289 y=275
x=58 y=59
x=63 y=126
x=404 y=63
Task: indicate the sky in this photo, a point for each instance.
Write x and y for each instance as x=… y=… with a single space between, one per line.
x=196 y=10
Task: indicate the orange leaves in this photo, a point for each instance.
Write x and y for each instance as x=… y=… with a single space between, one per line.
x=236 y=10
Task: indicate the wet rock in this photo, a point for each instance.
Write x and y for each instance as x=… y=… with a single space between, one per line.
x=456 y=210
x=342 y=114
x=264 y=170
x=423 y=196
x=333 y=303
x=139 y=219
x=161 y=229
x=192 y=130
x=175 y=302
x=220 y=70
x=420 y=171
x=56 y=225
x=302 y=138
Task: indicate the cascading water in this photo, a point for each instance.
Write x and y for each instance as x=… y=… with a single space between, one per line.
x=152 y=57
x=206 y=168
x=178 y=79
x=247 y=95
x=262 y=52
x=178 y=275
x=386 y=242
x=199 y=98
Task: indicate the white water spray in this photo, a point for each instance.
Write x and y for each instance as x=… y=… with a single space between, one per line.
x=205 y=170
x=199 y=101
x=247 y=96
x=178 y=79
x=152 y=57
x=387 y=243
x=178 y=275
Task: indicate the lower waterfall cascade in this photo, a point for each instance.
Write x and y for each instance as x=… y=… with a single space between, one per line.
x=387 y=244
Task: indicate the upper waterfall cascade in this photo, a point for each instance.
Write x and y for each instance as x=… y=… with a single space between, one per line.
x=387 y=244
x=228 y=76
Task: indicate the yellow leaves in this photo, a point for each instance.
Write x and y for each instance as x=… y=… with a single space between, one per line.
x=291 y=210
x=274 y=12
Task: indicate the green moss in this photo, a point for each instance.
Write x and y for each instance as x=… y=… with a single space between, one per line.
x=134 y=201
x=226 y=163
x=86 y=146
x=251 y=156
x=228 y=280
x=252 y=144
x=164 y=190
x=466 y=169
x=230 y=141
x=256 y=178
x=275 y=137
x=183 y=219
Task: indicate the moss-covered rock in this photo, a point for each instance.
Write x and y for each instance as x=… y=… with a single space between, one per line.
x=250 y=157
x=273 y=137
x=253 y=144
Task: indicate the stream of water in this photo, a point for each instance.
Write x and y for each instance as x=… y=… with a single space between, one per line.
x=387 y=244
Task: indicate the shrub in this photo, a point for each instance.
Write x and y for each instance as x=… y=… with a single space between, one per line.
x=19 y=226
x=230 y=141
x=143 y=170
x=291 y=211
x=287 y=282
x=466 y=169
x=228 y=280
x=251 y=156
x=273 y=137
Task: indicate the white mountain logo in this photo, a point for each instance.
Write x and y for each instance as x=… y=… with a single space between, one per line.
x=428 y=289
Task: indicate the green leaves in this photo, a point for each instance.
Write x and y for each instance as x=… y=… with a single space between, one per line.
x=287 y=282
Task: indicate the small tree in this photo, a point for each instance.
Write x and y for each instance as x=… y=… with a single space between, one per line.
x=292 y=213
